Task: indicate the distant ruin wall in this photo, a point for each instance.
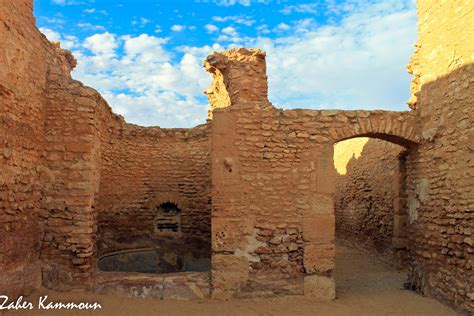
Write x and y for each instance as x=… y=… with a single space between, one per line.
x=441 y=171
x=365 y=197
x=142 y=168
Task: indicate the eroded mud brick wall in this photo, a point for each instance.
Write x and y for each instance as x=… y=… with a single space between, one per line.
x=441 y=172
x=369 y=187
x=48 y=144
x=142 y=168
x=22 y=81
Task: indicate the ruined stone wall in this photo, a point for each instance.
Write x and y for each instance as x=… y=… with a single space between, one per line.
x=48 y=171
x=365 y=195
x=141 y=168
x=273 y=183
x=25 y=56
x=441 y=172
x=57 y=137
x=72 y=157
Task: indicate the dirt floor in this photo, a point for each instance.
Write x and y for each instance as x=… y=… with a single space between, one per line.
x=365 y=286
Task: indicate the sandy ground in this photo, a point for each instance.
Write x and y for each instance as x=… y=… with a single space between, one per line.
x=365 y=286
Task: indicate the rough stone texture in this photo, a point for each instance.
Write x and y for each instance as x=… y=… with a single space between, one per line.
x=319 y=287
x=144 y=167
x=186 y=285
x=25 y=58
x=441 y=172
x=369 y=199
x=273 y=176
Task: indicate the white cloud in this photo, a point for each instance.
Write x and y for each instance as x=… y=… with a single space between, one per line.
x=239 y=19
x=147 y=48
x=141 y=22
x=357 y=64
x=178 y=28
x=93 y=10
x=282 y=27
x=211 y=28
x=300 y=8
x=90 y=27
x=52 y=36
x=246 y=3
x=230 y=34
x=229 y=31
x=101 y=44
x=143 y=83
x=262 y=29
x=65 y=2
x=53 y=20
x=67 y=42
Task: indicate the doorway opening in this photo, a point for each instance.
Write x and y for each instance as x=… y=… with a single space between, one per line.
x=371 y=216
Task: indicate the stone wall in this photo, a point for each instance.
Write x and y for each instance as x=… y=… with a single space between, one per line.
x=25 y=57
x=273 y=182
x=59 y=138
x=441 y=171
x=366 y=192
x=142 y=168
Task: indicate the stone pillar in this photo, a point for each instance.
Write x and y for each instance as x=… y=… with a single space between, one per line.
x=230 y=223
x=72 y=155
x=400 y=216
x=319 y=232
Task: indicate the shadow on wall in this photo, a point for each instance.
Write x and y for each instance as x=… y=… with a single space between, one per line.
x=440 y=179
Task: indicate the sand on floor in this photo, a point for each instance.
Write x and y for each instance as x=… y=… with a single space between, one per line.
x=365 y=286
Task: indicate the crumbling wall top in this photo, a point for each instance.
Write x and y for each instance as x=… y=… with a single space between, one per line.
x=239 y=76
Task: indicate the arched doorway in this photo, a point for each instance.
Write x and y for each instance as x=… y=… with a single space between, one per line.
x=371 y=215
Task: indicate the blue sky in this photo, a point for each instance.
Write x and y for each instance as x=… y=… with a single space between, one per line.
x=145 y=57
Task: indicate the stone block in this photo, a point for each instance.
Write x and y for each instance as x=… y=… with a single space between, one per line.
x=229 y=233
x=320 y=204
x=229 y=275
x=319 y=229
x=319 y=287
x=319 y=258
x=326 y=173
x=399 y=225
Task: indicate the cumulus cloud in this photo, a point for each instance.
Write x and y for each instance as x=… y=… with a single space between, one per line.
x=359 y=63
x=210 y=28
x=282 y=27
x=52 y=36
x=101 y=44
x=178 y=28
x=67 y=41
x=143 y=82
x=230 y=35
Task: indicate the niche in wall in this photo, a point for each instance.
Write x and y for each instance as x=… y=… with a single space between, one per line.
x=168 y=219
